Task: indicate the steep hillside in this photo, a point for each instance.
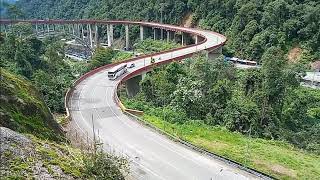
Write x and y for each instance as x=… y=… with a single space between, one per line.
x=28 y=157
x=23 y=109
x=38 y=152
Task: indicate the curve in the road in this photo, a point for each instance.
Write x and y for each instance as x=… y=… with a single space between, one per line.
x=153 y=155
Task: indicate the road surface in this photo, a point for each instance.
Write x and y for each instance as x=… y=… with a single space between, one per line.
x=153 y=156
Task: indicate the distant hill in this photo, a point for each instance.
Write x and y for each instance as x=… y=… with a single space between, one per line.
x=251 y=26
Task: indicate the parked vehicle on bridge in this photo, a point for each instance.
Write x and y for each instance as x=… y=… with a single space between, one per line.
x=117 y=71
x=131 y=65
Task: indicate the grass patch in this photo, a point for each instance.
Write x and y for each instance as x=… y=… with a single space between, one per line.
x=276 y=158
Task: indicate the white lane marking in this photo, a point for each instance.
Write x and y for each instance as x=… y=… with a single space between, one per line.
x=167 y=162
x=152 y=172
x=132 y=126
x=83 y=131
x=208 y=163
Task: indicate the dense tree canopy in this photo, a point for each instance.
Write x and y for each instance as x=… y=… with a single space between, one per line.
x=251 y=27
x=266 y=102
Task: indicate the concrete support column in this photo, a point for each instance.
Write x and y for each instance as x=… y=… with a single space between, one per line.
x=168 y=35
x=196 y=39
x=53 y=27
x=111 y=34
x=73 y=31
x=90 y=35
x=161 y=31
x=173 y=36
x=36 y=29
x=68 y=28
x=5 y=30
x=133 y=86
x=82 y=31
x=182 y=39
x=63 y=28
x=154 y=34
x=48 y=27
x=58 y=27
x=141 y=33
x=143 y=75
x=96 y=35
x=78 y=30
x=214 y=53
x=108 y=35
x=127 y=36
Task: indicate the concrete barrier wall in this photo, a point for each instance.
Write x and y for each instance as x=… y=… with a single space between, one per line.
x=83 y=77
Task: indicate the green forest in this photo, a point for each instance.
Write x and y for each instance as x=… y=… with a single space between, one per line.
x=209 y=103
x=250 y=26
x=238 y=114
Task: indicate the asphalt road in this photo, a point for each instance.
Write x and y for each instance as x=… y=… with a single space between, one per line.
x=153 y=156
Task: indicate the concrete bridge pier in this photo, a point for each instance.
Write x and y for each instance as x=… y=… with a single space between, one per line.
x=133 y=86
x=37 y=30
x=96 y=35
x=63 y=28
x=90 y=35
x=127 y=37
x=69 y=29
x=143 y=75
x=72 y=27
x=182 y=39
x=168 y=35
x=154 y=34
x=78 y=30
x=161 y=31
x=82 y=32
x=5 y=30
x=141 y=33
x=110 y=34
x=213 y=54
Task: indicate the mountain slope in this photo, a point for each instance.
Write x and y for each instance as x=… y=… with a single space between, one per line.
x=23 y=109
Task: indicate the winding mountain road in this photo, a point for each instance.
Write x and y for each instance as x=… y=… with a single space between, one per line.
x=153 y=155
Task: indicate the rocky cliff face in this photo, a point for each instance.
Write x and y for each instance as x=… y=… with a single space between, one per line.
x=22 y=108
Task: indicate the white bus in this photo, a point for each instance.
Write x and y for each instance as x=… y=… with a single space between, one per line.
x=117 y=71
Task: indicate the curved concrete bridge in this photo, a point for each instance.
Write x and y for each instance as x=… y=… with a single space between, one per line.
x=91 y=102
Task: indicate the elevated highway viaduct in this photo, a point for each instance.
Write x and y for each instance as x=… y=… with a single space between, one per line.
x=93 y=102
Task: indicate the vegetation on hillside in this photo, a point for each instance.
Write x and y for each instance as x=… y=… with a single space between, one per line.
x=266 y=102
x=273 y=157
x=23 y=109
x=149 y=46
x=251 y=27
x=35 y=74
x=28 y=157
x=43 y=64
x=211 y=103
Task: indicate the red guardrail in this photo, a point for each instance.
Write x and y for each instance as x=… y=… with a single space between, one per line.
x=149 y=24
